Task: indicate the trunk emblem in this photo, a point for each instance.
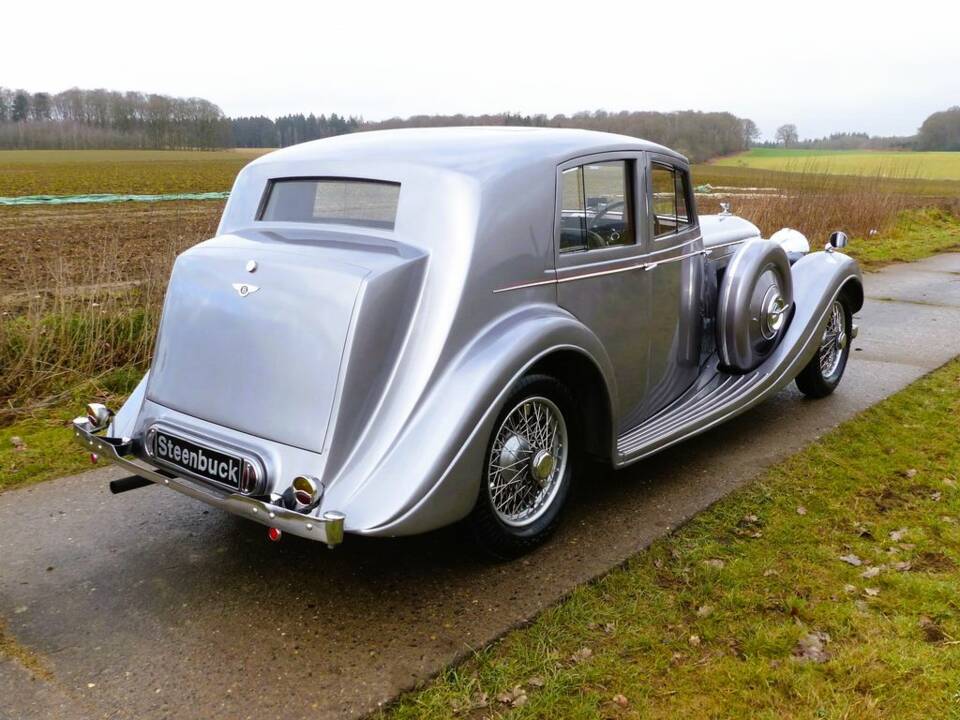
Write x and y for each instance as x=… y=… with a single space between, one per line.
x=243 y=289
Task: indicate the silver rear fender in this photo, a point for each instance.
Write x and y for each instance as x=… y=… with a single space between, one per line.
x=432 y=474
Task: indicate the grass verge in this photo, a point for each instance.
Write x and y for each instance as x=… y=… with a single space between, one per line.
x=39 y=446
x=828 y=588
x=916 y=234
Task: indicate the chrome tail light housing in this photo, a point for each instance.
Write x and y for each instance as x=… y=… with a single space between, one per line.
x=99 y=416
x=304 y=494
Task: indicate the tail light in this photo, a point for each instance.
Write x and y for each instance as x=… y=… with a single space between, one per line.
x=305 y=493
x=249 y=478
x=98 y=415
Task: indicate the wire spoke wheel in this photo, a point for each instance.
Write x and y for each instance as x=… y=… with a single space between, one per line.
x=834 y=341
x=527 y=462
x=823 y=373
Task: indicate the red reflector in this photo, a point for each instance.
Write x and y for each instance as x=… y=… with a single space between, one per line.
x=93 y=458
x=273 y=534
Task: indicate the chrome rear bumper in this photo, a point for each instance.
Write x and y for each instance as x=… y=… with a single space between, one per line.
x=328 y=528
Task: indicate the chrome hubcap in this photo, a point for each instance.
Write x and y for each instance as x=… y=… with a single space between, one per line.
x=542 y=466
x=834 y=341
x=527 y=461
x=773 y=313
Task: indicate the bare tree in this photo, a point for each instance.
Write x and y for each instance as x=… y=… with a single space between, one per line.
x=751 y=133
x=787 y=134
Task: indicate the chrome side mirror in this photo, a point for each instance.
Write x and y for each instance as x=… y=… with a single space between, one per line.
x=838 y=239
x=724 y=208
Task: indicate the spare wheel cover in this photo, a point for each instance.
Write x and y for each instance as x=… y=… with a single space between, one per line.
x=755 y=300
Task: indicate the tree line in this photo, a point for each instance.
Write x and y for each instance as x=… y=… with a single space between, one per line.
x=940 y=131
x=100 y=118
x=787 y=136
x=79 y=119
x=698 y=135
x=261 y=131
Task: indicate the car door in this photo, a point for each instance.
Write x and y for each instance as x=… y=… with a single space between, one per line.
x=600 y=253
x=675 y=326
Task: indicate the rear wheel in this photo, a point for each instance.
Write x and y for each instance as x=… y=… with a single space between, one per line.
x=528 y=469
x=822 y=374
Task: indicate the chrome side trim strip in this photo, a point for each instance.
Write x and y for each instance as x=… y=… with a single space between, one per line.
x=612 y=271
x=523 y=286
x=730 y=244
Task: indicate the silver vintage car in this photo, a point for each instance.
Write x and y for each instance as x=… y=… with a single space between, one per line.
x=395 y=331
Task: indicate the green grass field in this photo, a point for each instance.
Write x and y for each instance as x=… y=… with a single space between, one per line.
x=920 y=165
x=74 y=172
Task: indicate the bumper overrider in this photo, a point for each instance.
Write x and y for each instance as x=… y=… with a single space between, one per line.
x=90 y=432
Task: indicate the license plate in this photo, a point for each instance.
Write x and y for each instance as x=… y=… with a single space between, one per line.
x=197 y=460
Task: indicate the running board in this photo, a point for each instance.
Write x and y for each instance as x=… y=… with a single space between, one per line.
x=713 y=398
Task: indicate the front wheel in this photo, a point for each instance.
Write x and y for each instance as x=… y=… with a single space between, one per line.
x=528 y=469
x=822 y=374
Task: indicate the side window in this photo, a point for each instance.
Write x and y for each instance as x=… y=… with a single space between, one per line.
x=664 y=182
x=596 y=210
x=573 y=217
x=684 y=219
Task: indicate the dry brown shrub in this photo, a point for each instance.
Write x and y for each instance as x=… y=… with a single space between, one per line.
x=816 y=205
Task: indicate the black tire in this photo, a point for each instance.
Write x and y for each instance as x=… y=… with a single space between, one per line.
x=491 y=533
x=812 y=380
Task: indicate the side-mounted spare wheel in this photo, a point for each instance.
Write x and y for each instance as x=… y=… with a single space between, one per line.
x=529 y=466
x=755 y=300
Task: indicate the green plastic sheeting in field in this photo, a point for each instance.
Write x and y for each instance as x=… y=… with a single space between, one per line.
x=106 y=198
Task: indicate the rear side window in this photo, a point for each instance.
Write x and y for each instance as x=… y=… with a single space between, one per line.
x=573 y=217
x=367 y=203
x=684 y=216
x=671 y=200
x=664 y=182
x=596 y=209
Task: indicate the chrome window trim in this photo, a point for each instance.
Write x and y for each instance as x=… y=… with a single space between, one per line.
x=676 y=166
x=617 y=252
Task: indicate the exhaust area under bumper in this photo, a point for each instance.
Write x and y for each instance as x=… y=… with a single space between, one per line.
x=328 y=528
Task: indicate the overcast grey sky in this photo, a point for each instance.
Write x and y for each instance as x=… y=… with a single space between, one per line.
x=826 y=66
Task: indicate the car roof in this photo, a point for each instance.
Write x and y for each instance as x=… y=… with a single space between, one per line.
x=472 y=150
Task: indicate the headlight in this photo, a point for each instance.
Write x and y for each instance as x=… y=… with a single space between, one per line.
x=792 y=241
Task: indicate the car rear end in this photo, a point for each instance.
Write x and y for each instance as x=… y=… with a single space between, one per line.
x=271 y=336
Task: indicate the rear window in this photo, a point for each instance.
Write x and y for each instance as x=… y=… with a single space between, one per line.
x=368 y=203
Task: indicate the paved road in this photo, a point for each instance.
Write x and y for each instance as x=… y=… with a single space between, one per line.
x=148 y=605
